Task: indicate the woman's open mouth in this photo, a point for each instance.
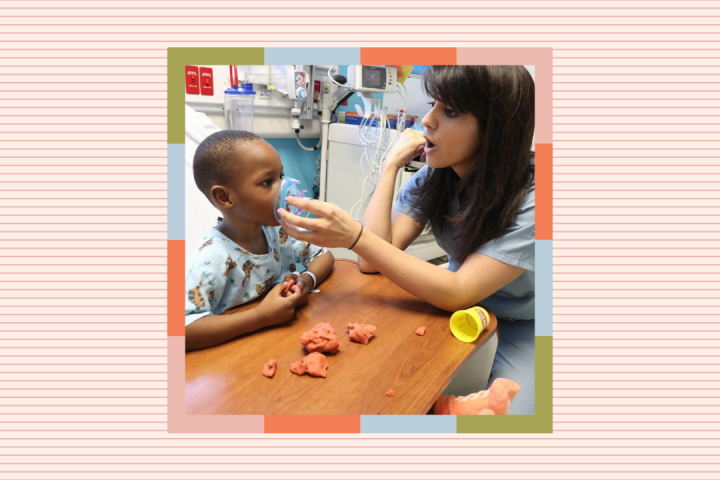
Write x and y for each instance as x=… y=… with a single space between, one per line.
x=429 y=146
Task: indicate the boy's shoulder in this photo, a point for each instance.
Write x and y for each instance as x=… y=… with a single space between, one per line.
x=214 y=246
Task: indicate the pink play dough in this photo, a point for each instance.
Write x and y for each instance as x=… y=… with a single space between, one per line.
x=315 y=364
x=360 y=333
x=298 y=368
x=321 y=338
x=269 y=368
x=389 y=393
x=420 y=331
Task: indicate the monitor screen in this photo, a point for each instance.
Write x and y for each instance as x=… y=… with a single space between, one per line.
x=373 y=77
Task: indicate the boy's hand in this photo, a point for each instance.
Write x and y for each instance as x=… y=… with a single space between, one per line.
x=299 y=283
x=289 y=282
x=277 y=308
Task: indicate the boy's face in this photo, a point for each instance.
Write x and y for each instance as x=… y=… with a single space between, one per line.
x=256 y=181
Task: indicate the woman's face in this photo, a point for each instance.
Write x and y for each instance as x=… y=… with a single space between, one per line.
x=453 y=138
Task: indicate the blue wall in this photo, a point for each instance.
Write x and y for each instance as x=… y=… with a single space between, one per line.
x=298 y=163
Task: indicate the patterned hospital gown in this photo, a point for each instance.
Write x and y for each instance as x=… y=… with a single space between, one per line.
x=221 y=275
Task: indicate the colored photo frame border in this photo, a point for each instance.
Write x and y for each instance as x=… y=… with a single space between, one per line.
x=179 y=422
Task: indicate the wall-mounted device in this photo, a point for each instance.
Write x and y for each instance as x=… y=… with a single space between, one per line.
x=371 y=79
x=192 y=80
x=297 y=84
x=207 y=86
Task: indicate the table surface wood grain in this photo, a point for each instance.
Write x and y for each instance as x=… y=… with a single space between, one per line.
x=227 y=379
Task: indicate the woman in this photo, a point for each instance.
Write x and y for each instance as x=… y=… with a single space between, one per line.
x=477 y=192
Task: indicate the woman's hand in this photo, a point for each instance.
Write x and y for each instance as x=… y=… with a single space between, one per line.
x=333 y=227
x=410 y=144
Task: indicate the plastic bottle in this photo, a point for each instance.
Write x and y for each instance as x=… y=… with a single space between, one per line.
x=232 y=96
x=246 y=108
x=240 y=107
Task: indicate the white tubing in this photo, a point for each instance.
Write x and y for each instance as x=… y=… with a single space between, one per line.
x=324 y=134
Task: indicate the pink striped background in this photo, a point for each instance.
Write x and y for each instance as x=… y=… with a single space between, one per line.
x=83 y=228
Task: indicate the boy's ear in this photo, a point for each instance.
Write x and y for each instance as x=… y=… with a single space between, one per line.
x=221 y=197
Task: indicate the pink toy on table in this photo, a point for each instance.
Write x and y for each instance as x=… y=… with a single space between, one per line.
x=493 y=401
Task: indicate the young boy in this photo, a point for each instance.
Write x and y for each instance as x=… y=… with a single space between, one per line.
x=246 y=253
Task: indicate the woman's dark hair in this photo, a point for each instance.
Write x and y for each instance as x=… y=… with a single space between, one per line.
x=502 y=98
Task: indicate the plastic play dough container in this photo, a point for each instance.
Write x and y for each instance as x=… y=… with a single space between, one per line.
x=466 y=325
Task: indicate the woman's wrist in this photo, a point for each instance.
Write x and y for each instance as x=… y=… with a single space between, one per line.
x=390 y=166
x=361 y=241
x=357 y=238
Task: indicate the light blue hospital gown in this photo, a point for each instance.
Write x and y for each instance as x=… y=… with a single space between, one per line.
x=221 y=275
x=514 y=304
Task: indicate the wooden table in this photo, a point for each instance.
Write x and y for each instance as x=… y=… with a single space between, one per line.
x=227 y=379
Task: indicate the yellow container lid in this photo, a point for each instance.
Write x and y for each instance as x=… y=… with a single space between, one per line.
x=466 y=325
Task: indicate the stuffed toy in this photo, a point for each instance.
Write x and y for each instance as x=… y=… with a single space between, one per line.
x=493 y=401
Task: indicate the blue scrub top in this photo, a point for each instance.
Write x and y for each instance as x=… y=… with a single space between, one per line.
x=516 y=300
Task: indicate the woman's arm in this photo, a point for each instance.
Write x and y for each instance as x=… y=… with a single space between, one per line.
x=405 y=230
x=377 y=215
x=393 y=227
x=479 y=277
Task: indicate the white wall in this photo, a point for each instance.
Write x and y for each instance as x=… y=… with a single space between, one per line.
x=272 y=112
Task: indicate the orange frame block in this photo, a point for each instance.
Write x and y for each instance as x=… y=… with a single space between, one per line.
x=312 y=423
x=408 y=56
x=175 y=288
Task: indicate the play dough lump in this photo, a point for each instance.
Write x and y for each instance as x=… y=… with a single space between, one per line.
x=321 y=338
x=269 y=368
x=315 y=364
x=360 y=333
